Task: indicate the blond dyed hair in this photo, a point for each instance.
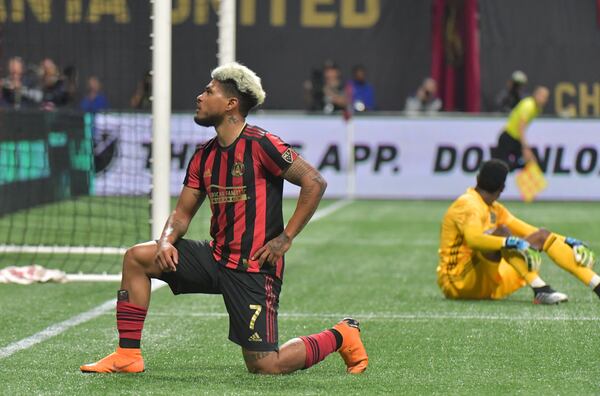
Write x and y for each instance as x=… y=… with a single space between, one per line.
x=246 y=81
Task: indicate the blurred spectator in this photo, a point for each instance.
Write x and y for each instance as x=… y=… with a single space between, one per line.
x=507 y=99
x=325 y=91
x=313 y=91
x=18 y=90
x=359 y=91
x=425 y=99
x=143 y=92
x=53 y=86
x=94 y=100
x=71 y=80
x=334 y=97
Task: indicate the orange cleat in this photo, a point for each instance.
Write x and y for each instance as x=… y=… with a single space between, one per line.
x=352 y=350
x=124 y=360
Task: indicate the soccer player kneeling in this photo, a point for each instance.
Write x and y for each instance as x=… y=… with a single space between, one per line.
x=487 y=253
x=241 y=171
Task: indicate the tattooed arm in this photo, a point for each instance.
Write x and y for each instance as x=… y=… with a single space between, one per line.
x=312 y=186
x=176 y=227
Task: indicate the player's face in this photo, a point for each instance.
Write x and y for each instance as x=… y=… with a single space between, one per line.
x=541 y=96
x=211 y=105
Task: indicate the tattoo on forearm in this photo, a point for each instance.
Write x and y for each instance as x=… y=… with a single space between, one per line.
x=250 y=356
x=306 y=198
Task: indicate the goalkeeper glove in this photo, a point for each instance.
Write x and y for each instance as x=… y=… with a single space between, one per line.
x=513 y=242
x=574 y=242
x=533 y=259
x=584 y=256
x=531 y=256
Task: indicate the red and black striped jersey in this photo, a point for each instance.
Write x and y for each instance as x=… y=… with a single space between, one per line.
x=244 y=185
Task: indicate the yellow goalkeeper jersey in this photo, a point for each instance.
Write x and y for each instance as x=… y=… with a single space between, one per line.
x=467 y=227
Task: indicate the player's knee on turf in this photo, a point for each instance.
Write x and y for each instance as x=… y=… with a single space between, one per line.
x=538 y=238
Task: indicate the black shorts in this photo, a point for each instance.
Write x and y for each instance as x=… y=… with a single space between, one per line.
x=251 y=299
x=510 y=151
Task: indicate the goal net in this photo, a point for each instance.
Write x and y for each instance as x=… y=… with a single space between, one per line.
x=85 y=170
x=75 y=133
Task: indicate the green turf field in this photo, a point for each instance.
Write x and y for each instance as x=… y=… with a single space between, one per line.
x=375 y=260
x=83 y=221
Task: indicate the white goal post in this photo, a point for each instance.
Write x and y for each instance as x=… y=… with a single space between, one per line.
x=161 y=114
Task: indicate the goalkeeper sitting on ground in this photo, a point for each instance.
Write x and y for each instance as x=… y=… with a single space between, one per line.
x=487 y=253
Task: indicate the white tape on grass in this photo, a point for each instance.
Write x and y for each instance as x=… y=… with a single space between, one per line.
x=58 y=328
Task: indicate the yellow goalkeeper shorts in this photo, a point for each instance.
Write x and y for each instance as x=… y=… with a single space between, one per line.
x=481 y=279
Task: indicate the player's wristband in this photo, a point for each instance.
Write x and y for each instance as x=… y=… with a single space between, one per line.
x=513 y=242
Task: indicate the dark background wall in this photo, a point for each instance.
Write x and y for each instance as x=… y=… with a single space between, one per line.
x=111 y=44
x=394 y=44
x=556 y=42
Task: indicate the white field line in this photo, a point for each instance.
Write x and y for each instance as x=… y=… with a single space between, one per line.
x=61 y=249
x=58 y=328
x=330 y=209
x=389 y=316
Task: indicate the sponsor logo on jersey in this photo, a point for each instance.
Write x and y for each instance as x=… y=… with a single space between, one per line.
x=220 y=194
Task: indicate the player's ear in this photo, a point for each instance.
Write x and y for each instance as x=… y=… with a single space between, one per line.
x=232 y=103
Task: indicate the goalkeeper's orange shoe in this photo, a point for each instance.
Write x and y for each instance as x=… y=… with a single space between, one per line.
x=352 y=350
x=124 y=360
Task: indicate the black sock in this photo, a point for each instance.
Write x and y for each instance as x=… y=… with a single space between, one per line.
x=129 y=343
x=597 y=290
x=338 y=338
x=543 y=289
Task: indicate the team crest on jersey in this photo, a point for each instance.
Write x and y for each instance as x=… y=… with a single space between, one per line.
x=287 y=156
x=238 y=169
x=492 y=217
x=207 y=172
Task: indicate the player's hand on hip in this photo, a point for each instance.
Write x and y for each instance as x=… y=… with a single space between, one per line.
x=166 y=257
x=273 y=250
